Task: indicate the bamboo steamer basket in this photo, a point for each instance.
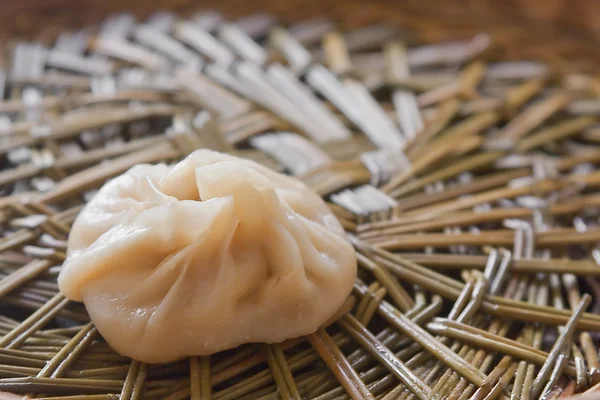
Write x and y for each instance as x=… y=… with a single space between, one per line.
x=476 y=237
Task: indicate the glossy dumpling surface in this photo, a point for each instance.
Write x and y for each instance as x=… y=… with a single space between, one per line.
x=205 y=255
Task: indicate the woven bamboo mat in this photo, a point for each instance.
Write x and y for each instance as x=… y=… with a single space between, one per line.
x=466 y=180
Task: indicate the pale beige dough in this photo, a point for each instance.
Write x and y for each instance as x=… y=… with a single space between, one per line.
x=205 y=255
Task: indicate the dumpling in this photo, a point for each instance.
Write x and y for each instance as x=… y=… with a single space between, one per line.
x=205 y=255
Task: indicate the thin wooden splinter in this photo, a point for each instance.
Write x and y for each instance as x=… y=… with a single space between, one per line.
x=336 y=361
x=558 y=348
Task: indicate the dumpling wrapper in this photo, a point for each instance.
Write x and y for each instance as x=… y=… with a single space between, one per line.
x=205 y=255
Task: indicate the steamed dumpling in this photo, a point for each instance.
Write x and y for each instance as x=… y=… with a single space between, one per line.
x=205 y=255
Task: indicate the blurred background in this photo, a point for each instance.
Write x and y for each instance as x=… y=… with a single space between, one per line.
x=572 y=17
x=564 y=33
